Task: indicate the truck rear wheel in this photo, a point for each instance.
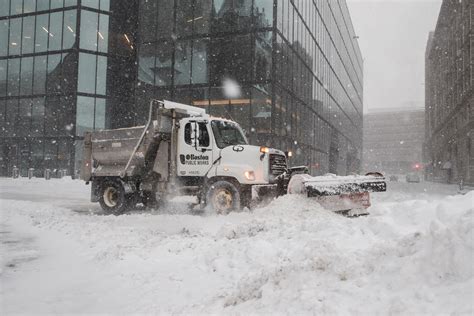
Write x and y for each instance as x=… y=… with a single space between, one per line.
x=223 y=197
x=113 y=198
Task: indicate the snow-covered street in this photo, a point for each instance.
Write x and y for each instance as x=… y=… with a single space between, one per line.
x=60 y=254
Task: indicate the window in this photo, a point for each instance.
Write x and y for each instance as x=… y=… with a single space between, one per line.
x=163 y=69
x=263 y=13
x=29 y=6
x=42 y=33
x=37 y=116
x=89 y=30
x=4 y=37
x=202 y=15
x=200 y=72
x=55 y=30
x=15 y=37
x=204 y=139
x=3 y=77
x=182 y=64
x=184 y=17
x=165 y=19
x=227 y=134
x=87 y=73
x=4 y=7
x=13 y=76
x=99 y=113
x=103 y=33
x=24 y=117
x=84 y=115
x=16 y=7
x=56 y=4
x=101 y=75
x=39 y=82
x=26 y=76
x=42 y=5
x=54 y=73
x=28 y=34
x=91 y=3
x=69 y=29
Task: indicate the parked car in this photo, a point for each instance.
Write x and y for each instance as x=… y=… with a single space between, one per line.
x=413 y=177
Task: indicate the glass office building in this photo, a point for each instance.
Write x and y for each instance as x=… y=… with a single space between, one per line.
x=67 y=66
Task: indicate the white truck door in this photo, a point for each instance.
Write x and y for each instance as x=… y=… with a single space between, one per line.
x=194 y=149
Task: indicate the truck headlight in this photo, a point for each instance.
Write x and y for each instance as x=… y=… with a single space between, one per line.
x=250 y=175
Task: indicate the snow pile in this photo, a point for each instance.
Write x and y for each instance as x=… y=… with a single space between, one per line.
x=411 y=255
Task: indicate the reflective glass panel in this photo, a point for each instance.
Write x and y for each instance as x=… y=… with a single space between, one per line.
x=28 y=35
x=42 y=5
x=103 y=33
x=13 y=76
x=42 y=33
x=54 y=74
x=101 y=75
x=15 y=36
x=3 y=77
x=200 y=73
x=16 y=7
x=26 y=75
x=202 y=16
x=37 y=116
x=55 y=30
x=56 y=4
x=91 y=3
x=182 y=63
x=263 y=13
x=165 y=18
x=85 y=115
x=99 y=113
x=4 y=37
x=68 y=3
x=29 y=6
x=89 y=28
x=69 y=29
x=105 y=5
x=87 y=73
x=4 y=7
x=184 y=17
x=163 y=69
x=39 y=82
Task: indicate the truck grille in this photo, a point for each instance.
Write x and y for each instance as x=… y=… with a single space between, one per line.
x=277 y=164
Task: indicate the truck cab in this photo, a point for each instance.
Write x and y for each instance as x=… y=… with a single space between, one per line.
x=215 y=147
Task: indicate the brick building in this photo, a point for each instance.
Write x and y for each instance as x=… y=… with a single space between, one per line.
x=449 y=95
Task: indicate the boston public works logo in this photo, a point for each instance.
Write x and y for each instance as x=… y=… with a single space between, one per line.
x=191 y=159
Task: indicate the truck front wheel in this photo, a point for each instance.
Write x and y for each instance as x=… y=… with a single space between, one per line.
x=223 y=197
x=113 y=198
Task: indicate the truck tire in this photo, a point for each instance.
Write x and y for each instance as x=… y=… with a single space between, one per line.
x=223 y=197
x=113 y=198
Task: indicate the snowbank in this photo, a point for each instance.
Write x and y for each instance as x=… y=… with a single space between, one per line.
x=413 y=254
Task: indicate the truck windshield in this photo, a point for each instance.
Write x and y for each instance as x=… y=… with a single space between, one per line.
x=227 y=134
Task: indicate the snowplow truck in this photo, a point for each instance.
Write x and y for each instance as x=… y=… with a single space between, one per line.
x=183 y=151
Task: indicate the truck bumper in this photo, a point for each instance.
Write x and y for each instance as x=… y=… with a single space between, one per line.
x=262 y=191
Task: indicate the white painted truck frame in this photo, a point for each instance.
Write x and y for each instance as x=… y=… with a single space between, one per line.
x=182 y=150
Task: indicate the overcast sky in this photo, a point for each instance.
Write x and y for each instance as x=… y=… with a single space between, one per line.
x=393 y=36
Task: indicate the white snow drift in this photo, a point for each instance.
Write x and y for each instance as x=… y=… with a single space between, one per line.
x=413 y=254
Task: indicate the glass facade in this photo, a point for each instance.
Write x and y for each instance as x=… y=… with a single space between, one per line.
x=67 y=66
x=297 y=64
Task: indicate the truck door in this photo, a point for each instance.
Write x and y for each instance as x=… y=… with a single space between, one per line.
x=194 y=149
